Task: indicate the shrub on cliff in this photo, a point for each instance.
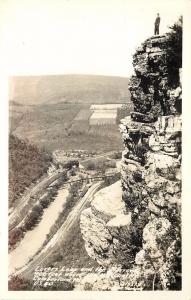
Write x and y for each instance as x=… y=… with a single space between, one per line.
x=174 y=50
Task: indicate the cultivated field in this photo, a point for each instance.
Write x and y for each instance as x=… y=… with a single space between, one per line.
x=83 y=115
x=54 y=111
x=106 y=106
x=66 y=126
x=101 y=117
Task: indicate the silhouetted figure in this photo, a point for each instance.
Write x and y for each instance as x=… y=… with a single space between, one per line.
x=157 y=23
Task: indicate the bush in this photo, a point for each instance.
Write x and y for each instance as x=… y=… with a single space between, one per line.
x=31 y=220
x=74 y=189
x=71 y=163
x=52 y=193
x=38 y=208
x=111 y=164
x=91 y=166
x=102 y=167
x=17 y=283
x=15 y=235
x=45 y=202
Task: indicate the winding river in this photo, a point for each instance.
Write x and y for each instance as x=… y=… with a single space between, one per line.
x=34 y=239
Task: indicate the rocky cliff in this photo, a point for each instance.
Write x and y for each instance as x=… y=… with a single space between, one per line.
x=135 y=234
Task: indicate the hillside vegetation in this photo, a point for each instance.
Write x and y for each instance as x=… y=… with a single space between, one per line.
x=26 y=164
x=68 y=88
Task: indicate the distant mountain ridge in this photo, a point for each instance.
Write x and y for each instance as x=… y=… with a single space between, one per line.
x=50 y=89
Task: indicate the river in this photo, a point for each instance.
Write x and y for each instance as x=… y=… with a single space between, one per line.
x=34 y=239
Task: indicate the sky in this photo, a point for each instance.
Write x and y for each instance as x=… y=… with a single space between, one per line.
x=79 y=36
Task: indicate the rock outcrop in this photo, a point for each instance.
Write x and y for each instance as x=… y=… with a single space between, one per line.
x=106 y=228
x=138 y=232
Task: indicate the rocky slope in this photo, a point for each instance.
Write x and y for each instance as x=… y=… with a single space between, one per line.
x=135 y=236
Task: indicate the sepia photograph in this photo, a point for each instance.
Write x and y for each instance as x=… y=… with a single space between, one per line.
x=94 y=146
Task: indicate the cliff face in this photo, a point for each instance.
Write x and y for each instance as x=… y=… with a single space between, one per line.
x=106 y=228
x=145 y=240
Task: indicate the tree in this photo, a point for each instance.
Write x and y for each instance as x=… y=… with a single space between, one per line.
x=31 y=220
x=38 y=208
x=15 y=235
x=91 y=165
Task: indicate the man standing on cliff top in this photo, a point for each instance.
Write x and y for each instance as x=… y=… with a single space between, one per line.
x=157 y=23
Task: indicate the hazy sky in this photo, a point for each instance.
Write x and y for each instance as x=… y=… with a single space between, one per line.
x=79 y=36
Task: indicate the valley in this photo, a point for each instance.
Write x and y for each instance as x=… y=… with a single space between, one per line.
x=62 y=112
x=74 y=121
x=57 y=199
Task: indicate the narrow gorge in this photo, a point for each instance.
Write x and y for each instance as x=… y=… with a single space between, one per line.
x=133 y=227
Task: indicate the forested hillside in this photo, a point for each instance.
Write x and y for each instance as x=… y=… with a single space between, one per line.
x=26 y=164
